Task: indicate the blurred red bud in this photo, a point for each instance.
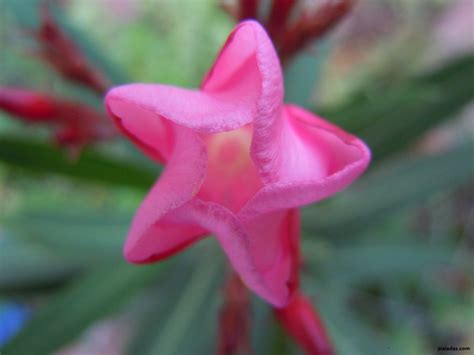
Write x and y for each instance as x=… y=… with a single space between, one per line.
x=289 y=35
x=279 y=14
x=74 y=123
x=59 y=51
x=248 y=9
x=234 y=320
x=28 y=105
x=311 y=26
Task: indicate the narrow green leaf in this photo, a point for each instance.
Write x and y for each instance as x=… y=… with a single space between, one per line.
x=349 y=334
x=390 y=120
x=280 y=341
x=262 y=327
x=184 y=316
x=38 y=157
x=382 y=262
x=25 y=11
x=96 y=235
x=28 y=266
x=90 y=298
x=180 y=316
x=391 y=189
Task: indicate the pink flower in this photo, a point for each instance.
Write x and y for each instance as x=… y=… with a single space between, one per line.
x=238 y=164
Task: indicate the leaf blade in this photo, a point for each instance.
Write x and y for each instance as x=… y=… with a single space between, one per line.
x=391 y=189
x=99 y=293
x=37 y=157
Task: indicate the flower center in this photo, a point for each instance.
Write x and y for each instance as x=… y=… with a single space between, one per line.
x=232 y=177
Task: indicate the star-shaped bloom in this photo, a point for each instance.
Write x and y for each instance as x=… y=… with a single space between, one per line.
x=238 y=164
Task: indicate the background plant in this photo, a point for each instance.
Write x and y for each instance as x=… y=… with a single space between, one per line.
x=387 y=261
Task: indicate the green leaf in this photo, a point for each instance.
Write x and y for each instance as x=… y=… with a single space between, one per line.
x=347 y=270
x=303 y=73
x=182 y=323
x=280 y=341
x=88 y=299
x=262 y=327
x=44 y=249
x=25 y=11
x=27 y=266
x=185 y=310
x=97 y=236
x=349 y=334
x=38 y=157
x=379 y=262
x=390 y=120
x=391 y=189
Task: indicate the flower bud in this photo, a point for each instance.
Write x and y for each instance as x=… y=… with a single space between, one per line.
x=28 y=105
x=302 y=322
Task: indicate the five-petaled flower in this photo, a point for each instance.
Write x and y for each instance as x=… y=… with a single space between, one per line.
x=238 y=165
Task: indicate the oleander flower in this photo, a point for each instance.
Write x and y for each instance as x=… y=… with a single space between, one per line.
x=238 y=164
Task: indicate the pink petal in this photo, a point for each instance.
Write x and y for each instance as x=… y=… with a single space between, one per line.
x=148 y=113
x=275 y=247
x=151 y=133
x=153 y=234
x=247 y=63
x=311 y=159
x=263 y=252
x=198 y=110
x=246 y=68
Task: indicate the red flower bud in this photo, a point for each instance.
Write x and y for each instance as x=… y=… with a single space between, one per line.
x=312 y=26
x=302 y=322
x=74 y=123
x=28 y=105
x=248 y=9
x=279 y=15
x=234 y=320
x=60 y=52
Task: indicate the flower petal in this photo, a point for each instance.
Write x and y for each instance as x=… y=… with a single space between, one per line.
x=154 y=135
x=154 y=234
x=311 y=159
x=274 y=242
x=147 y=113
x=247 y=69
x=262 y=252
x=198 y=110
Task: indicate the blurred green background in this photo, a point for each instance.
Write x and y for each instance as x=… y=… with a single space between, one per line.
x=387 y=262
